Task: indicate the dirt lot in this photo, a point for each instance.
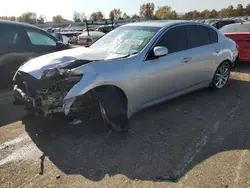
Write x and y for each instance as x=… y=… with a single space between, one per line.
x=199 y=140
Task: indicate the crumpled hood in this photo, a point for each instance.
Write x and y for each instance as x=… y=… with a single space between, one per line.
x=36 y=66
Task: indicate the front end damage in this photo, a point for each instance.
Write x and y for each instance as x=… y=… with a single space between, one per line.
x=68 y=89
x=46 y=95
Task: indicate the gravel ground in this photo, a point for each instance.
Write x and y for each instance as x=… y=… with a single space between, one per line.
x=200 y=140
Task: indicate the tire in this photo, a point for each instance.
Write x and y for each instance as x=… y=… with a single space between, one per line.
x=106 y=106
x=221 y=76
x=118 y=123
x=113 y=111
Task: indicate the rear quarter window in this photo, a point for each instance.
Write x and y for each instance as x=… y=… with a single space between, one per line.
x=213 y=35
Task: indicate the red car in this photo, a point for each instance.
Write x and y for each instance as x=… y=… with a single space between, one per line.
x=240 y=33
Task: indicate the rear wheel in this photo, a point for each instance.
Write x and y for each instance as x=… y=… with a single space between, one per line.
x=221 y=76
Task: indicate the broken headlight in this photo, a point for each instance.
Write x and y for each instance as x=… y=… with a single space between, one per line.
x=50 y=73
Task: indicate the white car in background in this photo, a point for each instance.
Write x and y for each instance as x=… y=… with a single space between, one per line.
x=87 y=38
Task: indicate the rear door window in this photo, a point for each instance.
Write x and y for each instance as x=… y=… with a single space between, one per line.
x=38 y=38
x=174 y=40
x=197 y=36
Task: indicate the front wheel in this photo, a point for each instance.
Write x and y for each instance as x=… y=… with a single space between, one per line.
x=221 y=76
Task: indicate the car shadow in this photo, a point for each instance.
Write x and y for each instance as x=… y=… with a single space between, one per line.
x=9 y=113
x=163 y=143
x=242 y=67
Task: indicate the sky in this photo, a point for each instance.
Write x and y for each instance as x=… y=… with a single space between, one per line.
x=67 y=7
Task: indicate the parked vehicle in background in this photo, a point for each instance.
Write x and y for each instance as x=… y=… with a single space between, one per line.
x=61 y=37
x=132 y=67
x=89 y=37
x=220 y=23
x=21 y=42
x=240 y=33
x=105 y=28
x=209 y=21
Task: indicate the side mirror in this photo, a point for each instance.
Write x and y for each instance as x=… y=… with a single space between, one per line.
x=160 y=51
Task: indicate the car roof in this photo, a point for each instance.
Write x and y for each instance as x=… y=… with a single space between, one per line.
x=20 y=24
x=162 y=23
x=240 y=23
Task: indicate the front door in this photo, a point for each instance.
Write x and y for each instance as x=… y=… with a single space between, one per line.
x=167 y=74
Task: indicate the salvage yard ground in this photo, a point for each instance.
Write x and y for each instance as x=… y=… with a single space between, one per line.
x=201 y=140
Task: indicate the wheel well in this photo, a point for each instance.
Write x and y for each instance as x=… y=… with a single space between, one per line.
x=230 y=62
x=119 y=91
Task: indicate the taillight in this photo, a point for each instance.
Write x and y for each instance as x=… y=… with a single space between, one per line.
x=89 y=41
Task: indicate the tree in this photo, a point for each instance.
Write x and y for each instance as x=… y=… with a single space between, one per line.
x=96 y=16
x=230 y=11
x=213 y=14
x=115 y=14
x=58 y=19
x=247 y=10
x=41 y=19
x=188 y=15
x=125 y=16
x=196 y=14
x=135 y=16
x=111 y=15
x=76 y=17
x=223 y=13
x=205 y=14
x=29 y=17
x=83 y=17
x=10 y=18
x=240 y=10
x=147 y=10
x=165 y=12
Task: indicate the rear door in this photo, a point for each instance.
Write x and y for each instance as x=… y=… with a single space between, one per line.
x=203 y=48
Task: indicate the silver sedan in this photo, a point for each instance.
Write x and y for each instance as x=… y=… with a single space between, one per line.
x=133 y=67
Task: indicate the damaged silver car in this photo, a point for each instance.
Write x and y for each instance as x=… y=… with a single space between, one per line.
x=131 y=68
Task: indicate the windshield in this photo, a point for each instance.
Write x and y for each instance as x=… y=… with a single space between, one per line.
x=235 y=28
x=126 y=40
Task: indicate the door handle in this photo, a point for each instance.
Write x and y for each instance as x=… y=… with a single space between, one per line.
x=186 y=59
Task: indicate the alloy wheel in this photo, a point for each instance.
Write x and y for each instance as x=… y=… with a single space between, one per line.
x=222 y=76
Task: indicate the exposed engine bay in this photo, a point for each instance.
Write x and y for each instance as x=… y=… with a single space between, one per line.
x=46 y=94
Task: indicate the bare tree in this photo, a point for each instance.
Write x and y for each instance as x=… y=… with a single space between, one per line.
x=115 y=14
x=83 y=16
x=96 y=16
x=76 y=17
x=147 y=10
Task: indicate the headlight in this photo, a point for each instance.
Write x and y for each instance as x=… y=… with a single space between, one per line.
x=50 y=73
